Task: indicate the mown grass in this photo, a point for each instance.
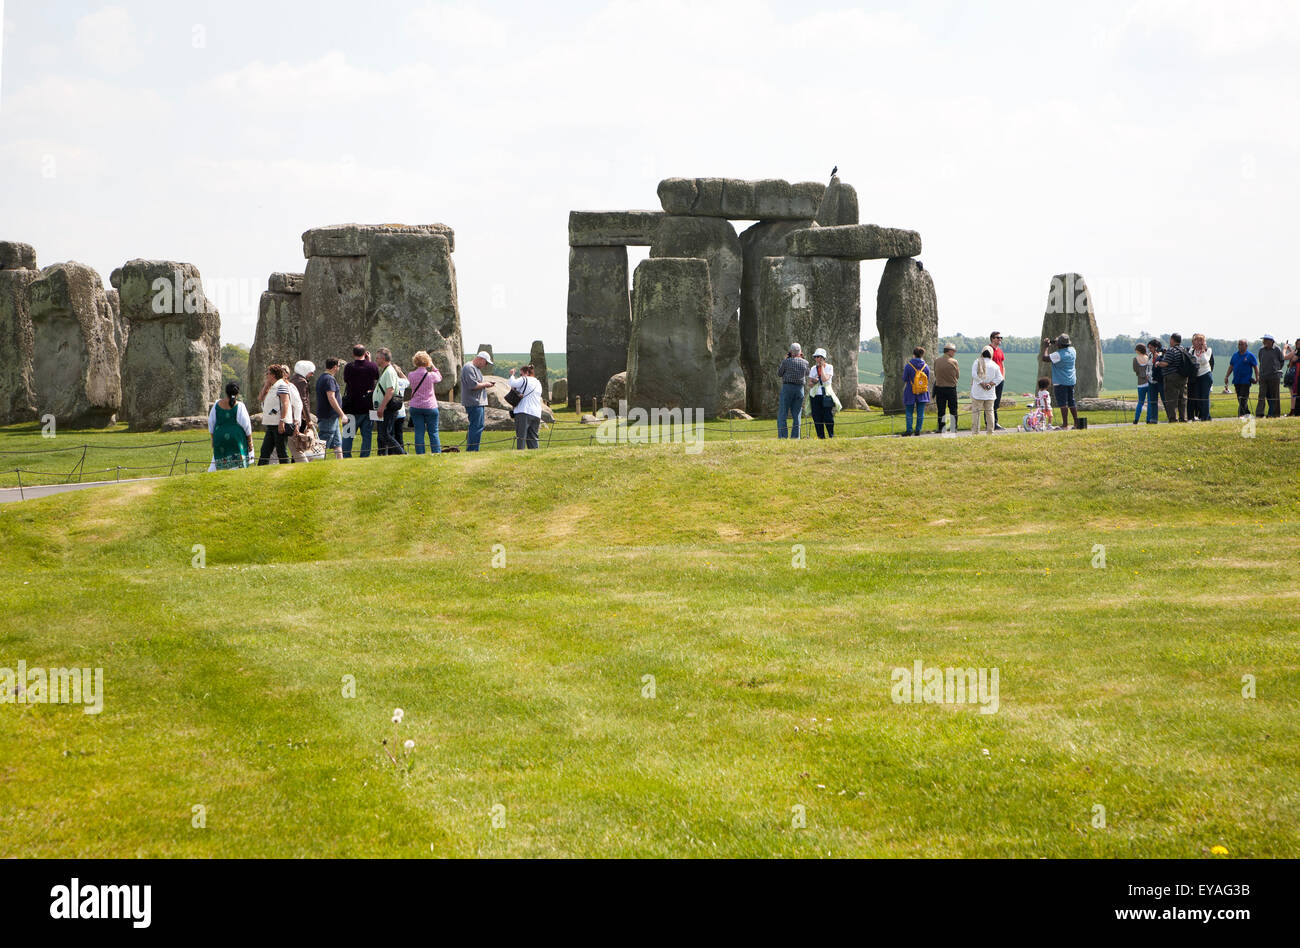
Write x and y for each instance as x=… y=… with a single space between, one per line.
x=523 y=685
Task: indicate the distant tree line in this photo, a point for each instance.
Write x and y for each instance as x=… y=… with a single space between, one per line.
x=1122 y=343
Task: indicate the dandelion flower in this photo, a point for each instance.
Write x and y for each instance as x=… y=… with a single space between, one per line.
x=1219 y=850
x=409 y=744
x=398 y=714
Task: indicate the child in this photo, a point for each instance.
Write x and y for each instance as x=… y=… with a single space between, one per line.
x=1040 y=415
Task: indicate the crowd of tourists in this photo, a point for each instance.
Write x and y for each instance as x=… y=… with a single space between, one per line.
x=1179 y=376
x=377 y=402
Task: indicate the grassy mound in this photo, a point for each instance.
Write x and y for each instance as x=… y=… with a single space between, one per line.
x=639 y=667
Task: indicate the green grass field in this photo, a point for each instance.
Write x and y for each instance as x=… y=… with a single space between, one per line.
x=524 y=681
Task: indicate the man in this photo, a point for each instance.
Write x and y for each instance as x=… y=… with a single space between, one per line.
x=792 y=372
x=1000 y=357
x=1175 y=364
x=359 y=378
x=946 y=374
x=1243 y=369
x=1270 y=370
x=329 y=412
x=1060 y=355
x=387 y=404
x=1155 y=348
x=473 y=395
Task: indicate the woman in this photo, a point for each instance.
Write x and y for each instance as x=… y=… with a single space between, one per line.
x=231 y=430
x=1291 y=359
x=422 y=402
x=820 y=395
x=1142 y=368
x=916 y=390
x=1198 y=399
x=528 y=413
x=277 y=415
x=1155 y=392
x=985 y=377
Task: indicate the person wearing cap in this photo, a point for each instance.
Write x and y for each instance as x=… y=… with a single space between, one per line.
x=1271 y=362
x=947 y=373
x=793 y=371
x=473 y=395
x=820 y=399
x=1060 y=355
x=387 y=401
x=1243 y=370
x=995 y=343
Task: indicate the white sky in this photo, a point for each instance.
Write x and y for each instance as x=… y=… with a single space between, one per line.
x=1150 y=145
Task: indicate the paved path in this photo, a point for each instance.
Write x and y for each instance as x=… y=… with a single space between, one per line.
x=9 y=495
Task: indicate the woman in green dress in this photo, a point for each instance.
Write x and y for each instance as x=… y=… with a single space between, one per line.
x=232 y=431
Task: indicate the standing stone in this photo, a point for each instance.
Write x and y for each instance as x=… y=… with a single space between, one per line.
x=670 y=361
x=17 y=256
x=17 y=396
x=538 y=358
x=907 y=316
x=714 y=240
x=560 y=392
x=279 y=317
x=1069 y=311
x=172 y=366
x=839 y=205
x=599 y=320
x=816 y=302
x=381 y=285
x=75 y=362
x=412 y=302
x=762 y=240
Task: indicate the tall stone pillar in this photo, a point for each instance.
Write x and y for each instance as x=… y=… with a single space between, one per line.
x=600 y=318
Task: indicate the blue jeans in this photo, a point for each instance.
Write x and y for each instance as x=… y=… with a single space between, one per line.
x=1149 y=396
x=920 y=415
x=476 y=414
x=425 y=419
x=790 y=406
x=328 y=428
x=362 y=425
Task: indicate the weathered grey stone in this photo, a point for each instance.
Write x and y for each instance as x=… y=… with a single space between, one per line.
x=412 y=302
x=1069 y=311
x=560 y=392
x=279 y=319
x=185 y=423
x=401 y=295
x=172 y=365
x=839 y=205
x=714 y=240
x=615 y=390
x=121 y=328
x=738 y=415
x=353 y=240
x=762 y=240
x=854 y=242
x=453 y=417
x=613 y=228
x=600 y=318
x=907 y=316
x=16 y=256
x=816 y=302
x=1104 y=404
x=537 y=356
x=872 y=395
x=17 y=395
x=285 y=283
x=115 y=278
x=75 y=362
x=670 y=361
x=737 y=199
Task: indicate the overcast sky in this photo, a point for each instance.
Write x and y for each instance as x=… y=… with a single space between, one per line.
x=1150 y=145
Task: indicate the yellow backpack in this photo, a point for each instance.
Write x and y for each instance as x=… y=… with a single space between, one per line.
x=920 y=381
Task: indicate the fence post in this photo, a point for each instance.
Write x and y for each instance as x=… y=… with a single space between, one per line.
x=171 y=470
x=19 y=472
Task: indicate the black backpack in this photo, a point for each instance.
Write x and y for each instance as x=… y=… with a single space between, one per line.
x=1186 y=364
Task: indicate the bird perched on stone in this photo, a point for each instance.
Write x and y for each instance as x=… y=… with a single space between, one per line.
x=835 y=171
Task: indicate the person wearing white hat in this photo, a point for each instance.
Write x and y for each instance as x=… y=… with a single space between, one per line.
x=820 y=395
x=473 y=395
